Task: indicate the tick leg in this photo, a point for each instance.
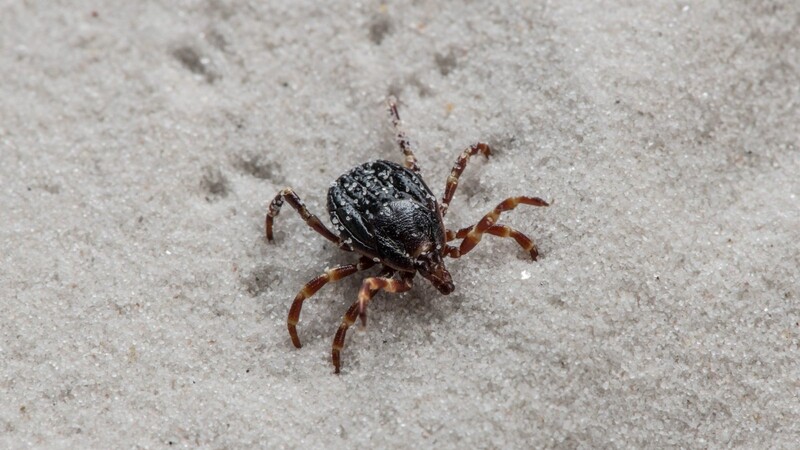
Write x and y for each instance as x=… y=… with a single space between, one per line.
x=313 y=221
x=369 y=288
x=498 y=230
x=458 y=168
x=400 y=136
x=475 y=233
x=310 y=288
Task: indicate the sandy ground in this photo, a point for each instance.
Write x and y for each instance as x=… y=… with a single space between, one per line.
x=140 y=143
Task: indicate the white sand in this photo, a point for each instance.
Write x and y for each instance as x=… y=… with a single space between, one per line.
x=139 y=150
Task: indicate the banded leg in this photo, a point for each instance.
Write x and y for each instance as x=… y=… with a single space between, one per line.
x=497 y=230
x=400 y=136
x=313 y=221
x=458 y=168
x=475 y=233
x=358 y=309
x=310 y=288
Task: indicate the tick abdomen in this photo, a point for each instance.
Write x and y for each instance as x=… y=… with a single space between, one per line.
x=385 y=211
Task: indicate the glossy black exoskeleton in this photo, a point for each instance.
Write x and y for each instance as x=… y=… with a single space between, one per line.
x=386 y=212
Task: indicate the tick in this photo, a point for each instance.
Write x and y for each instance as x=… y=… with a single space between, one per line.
x=386 y=213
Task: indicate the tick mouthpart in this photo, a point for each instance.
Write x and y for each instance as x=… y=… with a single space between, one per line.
x=433 y=270
x=445 y=288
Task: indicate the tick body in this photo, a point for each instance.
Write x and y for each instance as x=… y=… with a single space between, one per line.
x=384 y=212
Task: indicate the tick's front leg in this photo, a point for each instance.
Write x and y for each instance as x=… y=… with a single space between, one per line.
x=472 y=235
x=497 y=230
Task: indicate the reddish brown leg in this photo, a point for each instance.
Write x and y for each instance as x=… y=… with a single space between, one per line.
x=310 y=288
x=358 y=309
x=400 y=135
x=458 y=168
x=499 y=230
x=475 y=233
x=312 y=220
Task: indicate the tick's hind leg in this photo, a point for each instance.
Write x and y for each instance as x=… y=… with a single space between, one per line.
x=474 y=234
x=369 y=288
x=458 y=169
x=313 y=221
x=310 y=288
x=497 y=230
x=405 y=145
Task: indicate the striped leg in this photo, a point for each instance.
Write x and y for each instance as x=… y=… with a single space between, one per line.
x=497 y=230
x=310 y=288
x=458 y=168
x=358 y=309
x=475 y=233
x=400 y=135
x=313 y=221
